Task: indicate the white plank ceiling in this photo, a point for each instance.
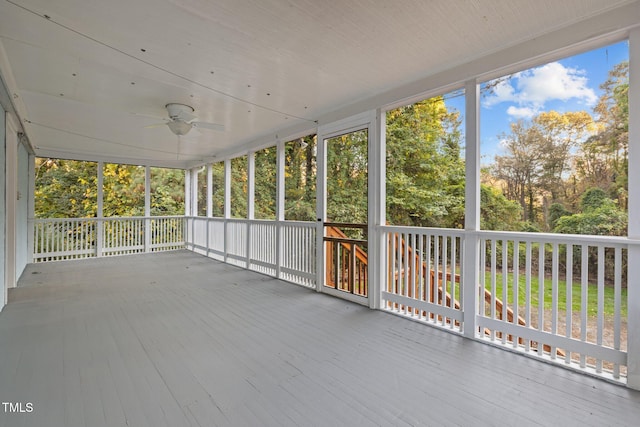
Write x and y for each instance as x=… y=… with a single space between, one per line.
x=87 y=77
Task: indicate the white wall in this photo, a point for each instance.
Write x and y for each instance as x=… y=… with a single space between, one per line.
x=11 y=185
x=22 y=211
x=3 y=211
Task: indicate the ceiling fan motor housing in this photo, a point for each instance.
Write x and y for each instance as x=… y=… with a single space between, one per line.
x=176 y=111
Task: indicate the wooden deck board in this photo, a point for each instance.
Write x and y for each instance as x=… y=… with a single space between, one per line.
x=176 y=339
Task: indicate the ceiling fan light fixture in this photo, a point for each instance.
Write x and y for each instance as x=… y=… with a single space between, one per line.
x=179 y=127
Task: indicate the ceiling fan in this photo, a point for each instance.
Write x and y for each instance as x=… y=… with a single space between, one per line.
x=181 y=120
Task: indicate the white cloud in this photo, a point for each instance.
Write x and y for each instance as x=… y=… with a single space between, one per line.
x=531 y=89
x=522 y=112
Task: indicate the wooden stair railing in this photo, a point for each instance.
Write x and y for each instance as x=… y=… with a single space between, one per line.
x=360 y=279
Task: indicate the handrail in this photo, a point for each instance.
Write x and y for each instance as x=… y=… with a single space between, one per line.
x=346 y=225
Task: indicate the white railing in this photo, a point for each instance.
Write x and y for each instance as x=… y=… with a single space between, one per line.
x=283 y=249
x=554 y=296
x=57 y=239
x=421 y=274
x=298 y=252
x=560 y=297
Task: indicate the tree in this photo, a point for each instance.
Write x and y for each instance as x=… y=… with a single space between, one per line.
x=347 y=172
x=69 y=188
x=538 y=160
x=300 y=179
x=425 y=172
x=167 y=192
x=497 y=212
x=65 y=188
x=239 y=187
x=604 y=158
x=265 y=183
x=599 y=216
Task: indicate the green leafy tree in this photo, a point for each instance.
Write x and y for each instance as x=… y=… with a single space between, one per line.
x=123 y=190
x=300 y=179
x=68 y=189
x=538 y=159
x=65 y=188
x=265 y=183
x=425 y=172
x=497 y=212
x=239 y=187
x=599 y=216
x=347 y=172
x=217 y=190
x=604 y=158
x=557 y=211
x=167 y=192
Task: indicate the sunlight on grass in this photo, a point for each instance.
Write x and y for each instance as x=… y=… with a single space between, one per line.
x=576 y=294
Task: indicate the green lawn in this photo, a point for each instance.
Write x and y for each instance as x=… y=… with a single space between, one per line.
x=576 y=294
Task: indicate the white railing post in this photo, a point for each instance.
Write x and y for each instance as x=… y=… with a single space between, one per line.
x=471 y=252
x=377 y=208
x=209 y=203
x=251 y=177
x=280 y=199
x=633 y=269
x=100 y=215
x=227 y=206
x=147 y=209
x=321 y=210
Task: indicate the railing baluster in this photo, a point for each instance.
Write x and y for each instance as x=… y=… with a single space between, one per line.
x=505 y=285
x=494 y=248
x=617 y=302
x=541 y=276
x=554 y=295
x=584 y=294
x=600 y=303
x=516 y=286
x=569 y=298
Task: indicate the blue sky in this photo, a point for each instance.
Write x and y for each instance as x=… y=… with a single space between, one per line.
x=570 y=84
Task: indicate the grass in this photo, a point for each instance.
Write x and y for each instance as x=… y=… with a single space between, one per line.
x=576 y=294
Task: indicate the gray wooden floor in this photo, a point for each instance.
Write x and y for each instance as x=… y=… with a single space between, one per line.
x=176 y=339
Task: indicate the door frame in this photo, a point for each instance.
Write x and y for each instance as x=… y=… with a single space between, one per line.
x=367 y=120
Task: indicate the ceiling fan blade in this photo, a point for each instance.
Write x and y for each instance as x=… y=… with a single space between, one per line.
x=205 y=125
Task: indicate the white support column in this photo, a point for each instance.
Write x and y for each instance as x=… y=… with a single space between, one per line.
x=188 y=238
x=251 y=186
x=31 y=207
x=227 y=188
x=227 y=203
x=377 y=209
x=147 y=209
x=187 y=192
x=633 y=269
x=321 y=209
x=209 y=190
x=471 y=254
x=280 y=199
x=209 y=202
x=194 y=205
x=194 y=192
x=100 y=212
